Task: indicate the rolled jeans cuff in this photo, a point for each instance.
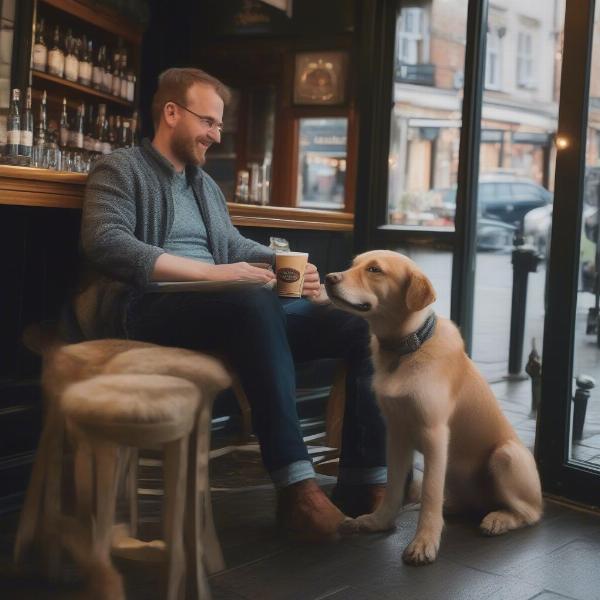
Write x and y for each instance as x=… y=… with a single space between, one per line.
x=367 y=475
x=293 y=473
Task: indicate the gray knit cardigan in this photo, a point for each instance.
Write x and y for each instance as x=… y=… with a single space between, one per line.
x=127 y=215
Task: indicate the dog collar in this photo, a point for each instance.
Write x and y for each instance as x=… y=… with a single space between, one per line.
x=411 y=343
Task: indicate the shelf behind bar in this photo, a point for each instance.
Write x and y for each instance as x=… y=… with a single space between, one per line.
x=26 y=186
x=55 y=81
x=100 y=17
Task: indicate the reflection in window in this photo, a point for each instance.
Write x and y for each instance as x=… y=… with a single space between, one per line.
x=322 y=163
x=525 y=66
x=493 y=59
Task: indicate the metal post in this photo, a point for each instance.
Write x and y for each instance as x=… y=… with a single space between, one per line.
x=584 y=384
x=524 y=261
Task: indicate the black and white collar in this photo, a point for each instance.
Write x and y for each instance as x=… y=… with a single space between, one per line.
x=411 y=343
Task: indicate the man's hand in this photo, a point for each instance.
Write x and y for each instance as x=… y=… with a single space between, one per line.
x=312 y=282
x=240 y=271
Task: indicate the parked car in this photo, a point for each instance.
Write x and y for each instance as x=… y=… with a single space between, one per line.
x=504 y=197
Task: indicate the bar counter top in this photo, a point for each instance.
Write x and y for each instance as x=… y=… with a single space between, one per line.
x=27 y=186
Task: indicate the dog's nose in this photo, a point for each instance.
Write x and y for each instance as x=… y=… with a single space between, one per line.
x=333 y=278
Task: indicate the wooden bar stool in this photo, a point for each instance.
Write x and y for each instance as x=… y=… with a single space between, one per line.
x=110 y=412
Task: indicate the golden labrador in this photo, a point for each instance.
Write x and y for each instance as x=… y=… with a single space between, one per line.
x=435 y=401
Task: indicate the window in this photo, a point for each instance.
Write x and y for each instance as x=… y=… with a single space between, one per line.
x=493 y=60
x=525 y=62
x=412 y=36
x=322 y=163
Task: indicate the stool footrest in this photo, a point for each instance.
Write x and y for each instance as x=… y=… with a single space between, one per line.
x=133 y=549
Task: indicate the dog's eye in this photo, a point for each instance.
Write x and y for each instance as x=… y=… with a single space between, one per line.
x=374 y=269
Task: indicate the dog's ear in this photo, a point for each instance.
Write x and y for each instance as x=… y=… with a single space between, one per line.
x=420 y=292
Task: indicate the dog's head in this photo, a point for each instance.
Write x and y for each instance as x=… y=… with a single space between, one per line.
x=380 y=282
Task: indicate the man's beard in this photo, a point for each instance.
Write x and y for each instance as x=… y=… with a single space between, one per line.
x=186 y=150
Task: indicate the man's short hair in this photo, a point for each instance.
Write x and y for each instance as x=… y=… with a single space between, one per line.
x=174 y=83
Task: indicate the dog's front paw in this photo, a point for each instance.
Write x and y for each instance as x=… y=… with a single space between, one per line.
x=421 y=551
x=365 y=524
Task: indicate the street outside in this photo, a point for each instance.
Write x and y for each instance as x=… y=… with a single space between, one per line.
x=491 y=335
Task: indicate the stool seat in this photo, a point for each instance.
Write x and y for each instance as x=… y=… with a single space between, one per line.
x=135 y=410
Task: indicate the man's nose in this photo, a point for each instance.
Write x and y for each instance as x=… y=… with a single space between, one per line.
x=333 y=278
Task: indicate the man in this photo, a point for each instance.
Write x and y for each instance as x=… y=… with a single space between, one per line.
x=152 y=214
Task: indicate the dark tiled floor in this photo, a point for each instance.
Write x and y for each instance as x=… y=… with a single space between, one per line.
x=555 y=560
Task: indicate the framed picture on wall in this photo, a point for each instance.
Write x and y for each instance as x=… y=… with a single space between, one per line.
x=320 y=78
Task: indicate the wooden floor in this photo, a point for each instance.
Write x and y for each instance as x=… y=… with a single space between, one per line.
x=557 y=559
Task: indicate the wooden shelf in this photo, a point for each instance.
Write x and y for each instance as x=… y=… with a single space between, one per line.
x=100 y=17
x=55 y=82
x=25 y=186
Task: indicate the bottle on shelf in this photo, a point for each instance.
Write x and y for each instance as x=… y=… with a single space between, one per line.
x=116 y=77
x=106 y=147
x=112 y=132
x=72 y=57
x=42 y=126
x=13 y=125
x=79 y=127
x=98 y=70
x=64 y=133
x=135 y=141
x=40 y=49
x=241 y=188
x=107 y=79
x=125 y=135
x=99 y=128
x=85 y=64
x=131 y=86
x=123 y=75
x=56 y=56
x=26 y=141
x=88 y=140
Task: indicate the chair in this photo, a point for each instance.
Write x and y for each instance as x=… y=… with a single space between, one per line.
x=107 y=413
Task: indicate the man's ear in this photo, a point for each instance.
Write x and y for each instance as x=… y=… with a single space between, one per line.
x=420 y=292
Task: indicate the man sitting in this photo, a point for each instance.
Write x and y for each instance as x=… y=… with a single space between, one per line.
x=152 y=214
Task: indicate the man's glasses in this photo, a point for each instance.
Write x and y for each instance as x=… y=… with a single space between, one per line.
x=208 y=122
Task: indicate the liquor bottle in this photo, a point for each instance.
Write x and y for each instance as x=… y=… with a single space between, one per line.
x=56 y=56
x=88 y=140
x=64 y=126
x=125 y=135
x=98 y=70
x=85 y=64
x=134 y=129
x=26 y=141
x=79 y=127
x=130 y=86
x=42 y=126
x=99 y=128
x=112 y=132
x=40 y=50
x=72 y=57
x=116 y=77
x=107 y=79
x=13 y=125
x=106 y=146
x=123 y=74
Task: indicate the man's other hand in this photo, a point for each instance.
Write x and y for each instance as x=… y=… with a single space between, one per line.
x=241 y=271
x=312 y=282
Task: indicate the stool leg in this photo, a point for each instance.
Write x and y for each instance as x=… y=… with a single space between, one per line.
x=132 y=485
x=51 y=512
x=106 y=457
x=84 y=480
x=175 y=471
x=32 y=506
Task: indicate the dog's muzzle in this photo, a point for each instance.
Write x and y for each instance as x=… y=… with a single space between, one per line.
x=331 y=281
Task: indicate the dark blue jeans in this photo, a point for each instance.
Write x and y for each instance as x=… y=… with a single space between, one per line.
x=262 y=336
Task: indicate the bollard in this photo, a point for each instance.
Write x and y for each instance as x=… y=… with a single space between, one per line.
x=533 y=368
x=524 y=260
x=584 y=384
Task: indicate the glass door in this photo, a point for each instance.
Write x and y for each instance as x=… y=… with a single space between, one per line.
x=568 y=436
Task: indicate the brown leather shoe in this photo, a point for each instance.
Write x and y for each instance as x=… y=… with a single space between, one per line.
x=307 y=512
x=356 y=500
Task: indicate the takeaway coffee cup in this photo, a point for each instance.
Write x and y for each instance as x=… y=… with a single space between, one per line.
x=289 y=269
